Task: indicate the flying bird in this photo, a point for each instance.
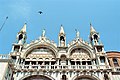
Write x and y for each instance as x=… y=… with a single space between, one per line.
x=40 y=12
x=7 y=17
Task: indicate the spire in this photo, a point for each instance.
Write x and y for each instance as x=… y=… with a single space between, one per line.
x=21 y=36
x=24 y=28
x=92 y=29
x=62 y=37
x=62 y=30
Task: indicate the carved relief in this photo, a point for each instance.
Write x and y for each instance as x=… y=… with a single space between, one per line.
x=80 y=54
x=41 y=53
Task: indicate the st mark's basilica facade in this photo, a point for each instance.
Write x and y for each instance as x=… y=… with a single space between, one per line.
x=43 y=59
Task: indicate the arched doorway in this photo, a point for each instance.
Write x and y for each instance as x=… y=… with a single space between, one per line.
x=86 y=77
x=37 y=77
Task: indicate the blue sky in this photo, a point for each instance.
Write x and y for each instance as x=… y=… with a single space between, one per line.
x=72 y=14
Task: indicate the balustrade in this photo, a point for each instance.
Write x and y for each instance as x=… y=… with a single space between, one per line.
x=53 y=67
x=116 y=69
x=4 y=56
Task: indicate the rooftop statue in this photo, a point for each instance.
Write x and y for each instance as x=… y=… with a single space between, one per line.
x=77 y=34
x=43 y=33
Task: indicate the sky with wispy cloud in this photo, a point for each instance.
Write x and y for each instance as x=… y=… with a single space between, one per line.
x=72 y=14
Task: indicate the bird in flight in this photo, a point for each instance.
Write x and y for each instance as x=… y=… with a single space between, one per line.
x=40 y=12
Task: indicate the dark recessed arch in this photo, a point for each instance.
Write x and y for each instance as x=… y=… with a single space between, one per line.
x=85 y=77
x=37 y=77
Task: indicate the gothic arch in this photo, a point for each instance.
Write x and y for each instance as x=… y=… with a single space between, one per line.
x=29 y=77
x=33 y=46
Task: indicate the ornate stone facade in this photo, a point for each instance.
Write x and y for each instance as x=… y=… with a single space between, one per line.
x=43 y=59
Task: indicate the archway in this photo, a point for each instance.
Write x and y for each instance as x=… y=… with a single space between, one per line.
x=85 y=48
x=37 y=77
x=30 y=48
x=86 y=77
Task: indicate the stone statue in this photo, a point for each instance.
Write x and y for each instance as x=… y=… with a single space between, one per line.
x=77 y=33
x=43 y=33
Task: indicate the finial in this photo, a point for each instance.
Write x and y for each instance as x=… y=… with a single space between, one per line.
x=24 y=28
x=61 y=29
x=91 y=28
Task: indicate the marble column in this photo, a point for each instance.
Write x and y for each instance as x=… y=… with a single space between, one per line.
x=87 y=66
x=30 y=65
x=17 y=61
x=50 y=65
x=20 y=48
x=96 y=49
x=99 y=62
x=107 y=63
x=69 y=62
